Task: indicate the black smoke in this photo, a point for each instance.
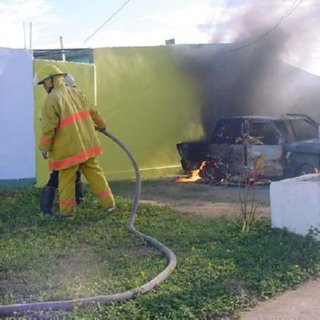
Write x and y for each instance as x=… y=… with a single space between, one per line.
x=251 y=75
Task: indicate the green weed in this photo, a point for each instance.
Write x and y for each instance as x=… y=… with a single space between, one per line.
x=220 y=270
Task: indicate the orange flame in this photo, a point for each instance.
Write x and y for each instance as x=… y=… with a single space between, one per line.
x=193 y=175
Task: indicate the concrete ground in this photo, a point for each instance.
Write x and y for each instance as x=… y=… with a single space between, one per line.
x=302 y=303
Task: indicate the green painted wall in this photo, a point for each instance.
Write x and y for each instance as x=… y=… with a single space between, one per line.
x=85 y=79
x=150 y=103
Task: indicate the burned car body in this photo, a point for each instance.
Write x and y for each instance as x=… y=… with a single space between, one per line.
x=284 y=146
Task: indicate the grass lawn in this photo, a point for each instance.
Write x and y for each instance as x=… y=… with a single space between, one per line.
x=220 y=271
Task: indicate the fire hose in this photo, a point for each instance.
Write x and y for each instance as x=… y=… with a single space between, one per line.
x=7 y=310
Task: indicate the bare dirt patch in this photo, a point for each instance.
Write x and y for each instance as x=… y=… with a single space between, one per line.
x=202 y=199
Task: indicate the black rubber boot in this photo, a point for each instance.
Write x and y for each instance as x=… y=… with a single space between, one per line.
x=79 y=193
x=46 y=199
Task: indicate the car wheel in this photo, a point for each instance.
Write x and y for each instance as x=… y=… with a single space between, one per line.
x=213 y=172
x=208 y=172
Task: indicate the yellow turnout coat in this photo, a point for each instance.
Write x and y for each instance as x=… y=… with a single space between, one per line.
x=67 y=127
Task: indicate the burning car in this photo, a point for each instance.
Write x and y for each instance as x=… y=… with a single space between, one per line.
x=269 y=147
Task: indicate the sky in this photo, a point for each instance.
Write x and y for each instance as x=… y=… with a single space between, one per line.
x=40 y=24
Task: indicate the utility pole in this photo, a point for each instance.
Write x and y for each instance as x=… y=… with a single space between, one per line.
x=24 y=35
x=30 y=36
x=63 y=53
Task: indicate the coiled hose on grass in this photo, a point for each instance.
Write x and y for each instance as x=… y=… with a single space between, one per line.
x=7 y=310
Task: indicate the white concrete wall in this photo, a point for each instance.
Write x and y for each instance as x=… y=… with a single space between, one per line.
x=17 y=138
x=295 y=204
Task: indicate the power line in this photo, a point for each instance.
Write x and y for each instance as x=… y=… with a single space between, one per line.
x=293 y=7
x=110 y=18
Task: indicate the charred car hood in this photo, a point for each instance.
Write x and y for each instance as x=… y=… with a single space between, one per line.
x=307 y=146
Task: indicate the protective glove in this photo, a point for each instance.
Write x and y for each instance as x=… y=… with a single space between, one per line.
x=100 y=129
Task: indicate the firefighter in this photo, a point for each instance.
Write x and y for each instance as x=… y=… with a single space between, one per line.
x=69 y=140
x=48 y=192
x=70 y=81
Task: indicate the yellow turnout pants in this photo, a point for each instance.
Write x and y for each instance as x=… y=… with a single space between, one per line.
x=96 y=179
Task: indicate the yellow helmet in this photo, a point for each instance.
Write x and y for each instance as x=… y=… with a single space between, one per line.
x=47 y=72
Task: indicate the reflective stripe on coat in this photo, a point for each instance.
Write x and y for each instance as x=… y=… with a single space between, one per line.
x=67 y=128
